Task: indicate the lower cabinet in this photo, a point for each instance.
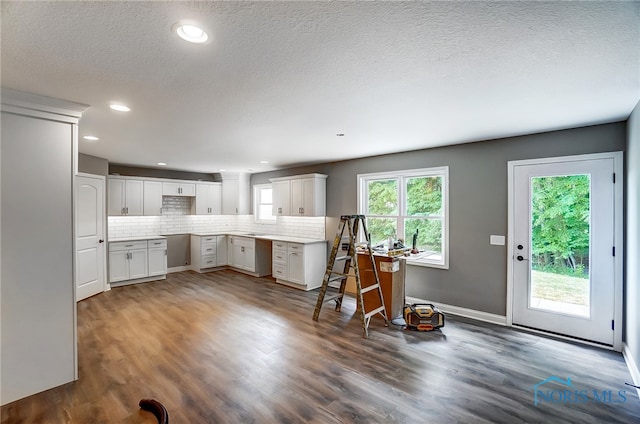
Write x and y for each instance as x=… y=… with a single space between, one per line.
x=208 y=252
x=249 y=255
x=299 y=265
x=134 y=260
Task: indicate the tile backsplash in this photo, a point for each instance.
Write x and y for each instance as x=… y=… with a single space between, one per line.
x=176 y=219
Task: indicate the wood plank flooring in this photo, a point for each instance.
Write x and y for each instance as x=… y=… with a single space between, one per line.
x=223 y=347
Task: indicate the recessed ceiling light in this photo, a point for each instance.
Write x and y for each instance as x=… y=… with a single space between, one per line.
x=340 y=135
x=91 y=138
x=264 y=161
x=191 y=33
x=162 y=164
x=119 y=107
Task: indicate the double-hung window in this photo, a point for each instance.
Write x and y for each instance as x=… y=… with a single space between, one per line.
x=263 y=204
x=408 y=205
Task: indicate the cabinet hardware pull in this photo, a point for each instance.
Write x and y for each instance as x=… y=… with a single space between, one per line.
x=128 y=245
x=165 y=252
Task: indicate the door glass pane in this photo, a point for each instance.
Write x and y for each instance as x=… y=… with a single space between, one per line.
x=560 y=237
x=381 y=229
x=382 y=197
x=424 y=196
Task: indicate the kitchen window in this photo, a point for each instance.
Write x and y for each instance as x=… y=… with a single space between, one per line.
x=401 y=204
x=263 y=204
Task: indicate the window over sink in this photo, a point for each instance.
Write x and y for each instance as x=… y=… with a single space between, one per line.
x=263 y=204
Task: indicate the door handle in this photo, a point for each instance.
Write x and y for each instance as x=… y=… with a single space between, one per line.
x=100 y=241
x=521 y=258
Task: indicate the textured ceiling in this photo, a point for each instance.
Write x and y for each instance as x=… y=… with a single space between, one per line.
x=278 y=80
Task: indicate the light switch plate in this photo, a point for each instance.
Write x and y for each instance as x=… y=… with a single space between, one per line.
x=496 y=240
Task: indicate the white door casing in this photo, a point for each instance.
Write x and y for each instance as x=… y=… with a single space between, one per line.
x=90 y=236
x=603 y=324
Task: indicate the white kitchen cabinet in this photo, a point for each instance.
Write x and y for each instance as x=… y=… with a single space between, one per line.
x=250 y=255
x=128 y=261
x=157 y=257
x=204 y=252
x=235 y=194
x=306 y=195
x=299 y=265
x=208 y=199
x=152 y=198
x=125 y=196
x=178 y=188
x=221 y=250
x=281 y=197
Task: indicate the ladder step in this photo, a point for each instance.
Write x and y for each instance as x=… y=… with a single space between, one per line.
x=337 y=278
x=343 y=258
x=375 y=311
x=341 y=274
x=369 y=288
x=332 y=297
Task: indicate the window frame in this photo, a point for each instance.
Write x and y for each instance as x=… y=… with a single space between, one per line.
x=401 y=176
x=257 y=201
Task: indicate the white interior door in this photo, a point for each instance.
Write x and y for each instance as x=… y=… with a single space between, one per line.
x=563 y=241
x=90 y=241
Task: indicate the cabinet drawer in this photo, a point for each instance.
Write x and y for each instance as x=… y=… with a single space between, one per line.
x=208 y=240
x=208 y=261
x=295 y=247
x=279 y=257
x=124 y=245
x=157 y=243
x=208 y=249
x=282 y=245
x=279 y=271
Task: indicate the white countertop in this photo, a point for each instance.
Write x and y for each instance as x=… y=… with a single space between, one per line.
x=272 y=237
x=137 y=238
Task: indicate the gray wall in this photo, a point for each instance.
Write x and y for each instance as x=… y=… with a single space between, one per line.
x=92 y=165
x=477 y=276
x=632 y=286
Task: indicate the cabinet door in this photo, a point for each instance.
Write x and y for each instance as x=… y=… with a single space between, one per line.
x=116 y=189
x=187 y=189
x=170 y=189
x=297 y=201
x=249 y=258
x=215 y=198
x=221 y=250
x=118 y=266
x=138 y=264
x=237 y=257
x=157 y=258
x=152 y=204
x=202 y=199
x=230 y=197
x=296 y=267
x=134 y=194
x=281 y=198
x=308 y=197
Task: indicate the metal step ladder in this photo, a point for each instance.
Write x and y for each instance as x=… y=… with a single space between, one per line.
x=352 y=223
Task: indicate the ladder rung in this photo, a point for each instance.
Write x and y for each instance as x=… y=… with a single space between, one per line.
x=337 y=278
x=332 y=297
x=343 y=258
x=369 y=288
x=375 y=311
x=342 y=274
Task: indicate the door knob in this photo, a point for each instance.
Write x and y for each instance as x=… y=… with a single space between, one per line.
x=521 y=258
x=100 y=241
x=520 y=247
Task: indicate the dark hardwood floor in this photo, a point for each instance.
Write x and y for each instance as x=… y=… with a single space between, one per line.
x=223 y=347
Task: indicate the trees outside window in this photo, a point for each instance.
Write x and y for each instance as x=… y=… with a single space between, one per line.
x=401 y=204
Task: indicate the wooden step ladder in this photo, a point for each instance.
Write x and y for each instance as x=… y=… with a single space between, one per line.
x=352 y=223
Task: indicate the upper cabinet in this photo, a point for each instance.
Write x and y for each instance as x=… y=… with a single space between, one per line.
x=235 y=193
x=178 y=188
x=152 y=204
x=300 y=195
x=125 y=196
x=208 y=199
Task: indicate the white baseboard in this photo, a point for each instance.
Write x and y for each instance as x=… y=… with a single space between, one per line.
x=631 y=365
x=464 y=312
x=179 y=269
